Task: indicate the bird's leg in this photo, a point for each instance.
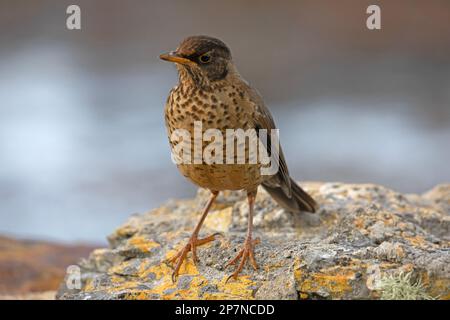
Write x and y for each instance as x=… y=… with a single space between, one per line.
x=246 y=253
x=194 y=241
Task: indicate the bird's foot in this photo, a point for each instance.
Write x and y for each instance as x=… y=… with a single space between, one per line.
x=192 y=245
x=246 y=253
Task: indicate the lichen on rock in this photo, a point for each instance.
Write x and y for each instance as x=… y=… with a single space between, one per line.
x=362 y=235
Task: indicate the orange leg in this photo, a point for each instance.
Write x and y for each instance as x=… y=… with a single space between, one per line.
x=247 y=251
x=194 y=241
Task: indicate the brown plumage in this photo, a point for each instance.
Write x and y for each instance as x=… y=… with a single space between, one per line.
x=211 y=90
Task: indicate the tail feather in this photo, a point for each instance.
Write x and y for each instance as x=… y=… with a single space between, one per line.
x=298 y=201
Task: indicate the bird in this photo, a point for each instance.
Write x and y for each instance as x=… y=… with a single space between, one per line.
x=212 y=92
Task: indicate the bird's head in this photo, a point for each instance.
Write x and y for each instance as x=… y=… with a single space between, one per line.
x=201 y=60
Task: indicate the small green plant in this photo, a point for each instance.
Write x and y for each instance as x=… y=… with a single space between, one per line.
x=402 y=287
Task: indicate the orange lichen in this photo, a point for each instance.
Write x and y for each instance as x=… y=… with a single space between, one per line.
x=359 y=222
x=436 y=287
x=420 y=242
x=336 y=281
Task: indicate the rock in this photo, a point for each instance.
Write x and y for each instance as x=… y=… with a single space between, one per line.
x=362 y=242
x=389 y=251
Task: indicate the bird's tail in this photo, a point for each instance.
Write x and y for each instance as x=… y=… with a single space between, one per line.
x=298 y=201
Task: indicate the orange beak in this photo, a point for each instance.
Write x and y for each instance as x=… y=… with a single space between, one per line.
x=174 y=57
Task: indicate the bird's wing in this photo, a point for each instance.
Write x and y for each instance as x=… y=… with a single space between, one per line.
x=263 y=120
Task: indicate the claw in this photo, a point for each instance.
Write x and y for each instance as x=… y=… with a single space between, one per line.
x=220 y=234
x=167 y=263
x=245 y=254
x=193 y=241
x=181 y=255
x=228 y=278
x=235 y=259
x=174 y=277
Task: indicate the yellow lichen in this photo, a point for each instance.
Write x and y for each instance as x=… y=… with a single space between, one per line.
x=125 y=231
x=271 y=267
x=336 y=285
x=138 y=295
x=239 y=288
x=120 y=269
x=142 y=244
x=142 y=295
x=219 y=220
x=303 y=296
x=89 y=286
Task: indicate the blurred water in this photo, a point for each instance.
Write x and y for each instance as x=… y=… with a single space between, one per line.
x=73 y=164
x=80 y=149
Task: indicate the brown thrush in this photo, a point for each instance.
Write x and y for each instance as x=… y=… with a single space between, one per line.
x=211 y=90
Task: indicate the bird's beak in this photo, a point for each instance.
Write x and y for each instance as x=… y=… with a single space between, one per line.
x=174 y=57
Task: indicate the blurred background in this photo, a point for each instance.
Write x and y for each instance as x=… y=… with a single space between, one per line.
x=82 y=137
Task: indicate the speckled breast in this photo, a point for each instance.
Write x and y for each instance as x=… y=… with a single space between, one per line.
x=223 y=108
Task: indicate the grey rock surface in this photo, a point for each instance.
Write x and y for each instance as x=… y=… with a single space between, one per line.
x=362 y=235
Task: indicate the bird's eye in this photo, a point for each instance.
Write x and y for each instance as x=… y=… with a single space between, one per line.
x=205 y=58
